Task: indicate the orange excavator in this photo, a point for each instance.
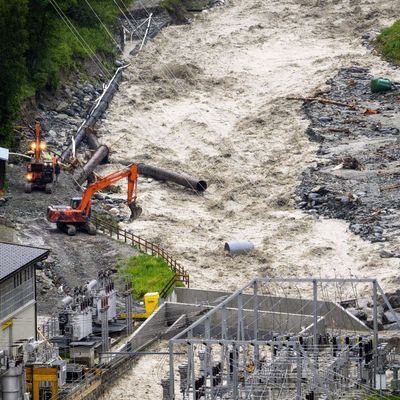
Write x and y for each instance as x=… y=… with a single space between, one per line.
x=76 y=216
x=39 y=173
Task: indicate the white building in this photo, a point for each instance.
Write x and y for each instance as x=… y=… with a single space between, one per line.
x=17 y=294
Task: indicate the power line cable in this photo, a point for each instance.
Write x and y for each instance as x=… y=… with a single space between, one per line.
x=103 y=25
x=80 y=39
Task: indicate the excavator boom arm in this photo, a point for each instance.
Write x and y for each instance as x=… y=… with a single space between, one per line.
x=38 y=132
x=129 y=172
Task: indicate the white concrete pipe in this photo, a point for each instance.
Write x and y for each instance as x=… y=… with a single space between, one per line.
x=238 y=247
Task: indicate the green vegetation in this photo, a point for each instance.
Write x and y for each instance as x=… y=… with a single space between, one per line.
x=388 y=42
x=388 y=397
x=13 y=71
x=147 y=274
x=36 y=45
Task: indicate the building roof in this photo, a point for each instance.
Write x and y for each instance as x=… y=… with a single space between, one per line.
x=16 y=256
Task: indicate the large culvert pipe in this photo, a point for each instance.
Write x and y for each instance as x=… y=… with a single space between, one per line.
x=99 y=155
x=164 y=175
x=92 y=140
x=238 y=247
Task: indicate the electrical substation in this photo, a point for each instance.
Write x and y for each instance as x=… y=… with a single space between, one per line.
x=262 y=343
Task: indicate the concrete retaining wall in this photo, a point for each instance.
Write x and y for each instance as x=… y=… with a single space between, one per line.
x=334 y=315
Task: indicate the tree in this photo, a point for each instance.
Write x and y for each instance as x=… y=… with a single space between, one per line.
x=13 y=72
x=48 y=50
x=41 y=38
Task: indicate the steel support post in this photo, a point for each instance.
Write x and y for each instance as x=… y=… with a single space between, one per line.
x=224 y=337
x=223 y=323
x=207 y=361
x=256 y=325
x=299 y=372
x=191 y=366
x=235 y=389
x=171 y=371
x=315 y=330
x=375 y=327
x=240 y=328
x=128 y=302
x=315 y=314
x=104 y=327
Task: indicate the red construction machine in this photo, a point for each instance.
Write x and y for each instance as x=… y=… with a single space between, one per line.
x=76 y=216
x=40 y=173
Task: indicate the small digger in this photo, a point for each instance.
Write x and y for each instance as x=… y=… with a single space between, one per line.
x=76 y=216
x=39 y=173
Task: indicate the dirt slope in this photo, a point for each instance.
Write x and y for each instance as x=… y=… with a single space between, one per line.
x=209 y=99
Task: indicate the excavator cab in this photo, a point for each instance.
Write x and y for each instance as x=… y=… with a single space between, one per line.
x=74 y=202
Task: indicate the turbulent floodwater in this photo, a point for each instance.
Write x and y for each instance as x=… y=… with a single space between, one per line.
x=210 y=99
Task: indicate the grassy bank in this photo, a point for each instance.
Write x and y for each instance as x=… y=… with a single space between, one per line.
x=147 y=274
x=388 y=43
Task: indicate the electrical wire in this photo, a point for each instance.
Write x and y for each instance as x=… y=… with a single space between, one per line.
x=103 y=25
x=80 y=38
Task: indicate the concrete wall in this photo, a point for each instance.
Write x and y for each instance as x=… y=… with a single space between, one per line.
x=150 y=330
x=20 y=326
x=16 y=291
x=268 y=321
x=334 y=315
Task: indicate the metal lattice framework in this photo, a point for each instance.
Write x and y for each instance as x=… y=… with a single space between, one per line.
x=263 y=342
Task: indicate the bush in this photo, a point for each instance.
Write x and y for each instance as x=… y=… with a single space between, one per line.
x=388 y=42
x=147 y=274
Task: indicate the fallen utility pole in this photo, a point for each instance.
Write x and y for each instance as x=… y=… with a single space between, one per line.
x=95 y=113
x=99 y=155
x=147 y=31
x=165 y=175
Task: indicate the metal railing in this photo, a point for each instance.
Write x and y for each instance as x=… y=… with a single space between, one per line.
x=181 y=275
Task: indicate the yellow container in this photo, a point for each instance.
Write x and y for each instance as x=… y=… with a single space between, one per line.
x=151 y=302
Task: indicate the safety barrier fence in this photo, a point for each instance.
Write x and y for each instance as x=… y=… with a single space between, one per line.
x=112 y=230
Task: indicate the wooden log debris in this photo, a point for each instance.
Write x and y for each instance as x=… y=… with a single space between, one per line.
x=323 y=100
x=390 y=187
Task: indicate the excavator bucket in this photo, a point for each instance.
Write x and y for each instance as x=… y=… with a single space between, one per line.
x=136 y=211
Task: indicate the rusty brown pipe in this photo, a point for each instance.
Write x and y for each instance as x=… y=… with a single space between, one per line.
x=165 y=175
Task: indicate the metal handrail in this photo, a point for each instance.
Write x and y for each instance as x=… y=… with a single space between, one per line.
x=181 y=275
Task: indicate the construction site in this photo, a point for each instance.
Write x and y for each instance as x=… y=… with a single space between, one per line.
x=249 y=146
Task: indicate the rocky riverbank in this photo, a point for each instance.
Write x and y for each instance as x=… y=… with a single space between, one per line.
x=356 y=177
